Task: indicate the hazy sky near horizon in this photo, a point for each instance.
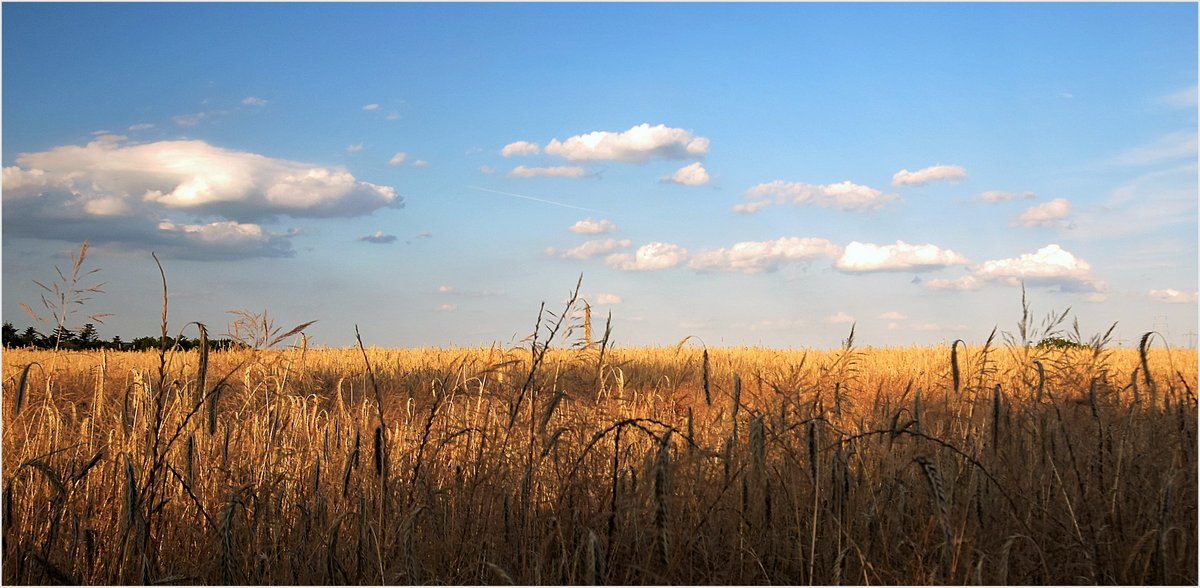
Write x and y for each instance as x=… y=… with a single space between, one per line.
x=747 y=173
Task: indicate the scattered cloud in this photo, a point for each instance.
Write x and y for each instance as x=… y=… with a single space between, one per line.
x=253 y=101
x=839 y=317
x=141 y=126
x=1000 y=196
x=639 y=144
x=842 y=195
x=370 y=107
x=398 y=158
x=556 y=171
x=392 y=116
x=110 y=191
x=605 y=298
x=690 y=175
x=1146 y=204
x=424 y=235
x=1174 y=296
x=110 y=138
x=355 y=148
x=1051 y=266
x=221 y=240
x=420 y=163
x=590 y=249
x=937 y=173
x=1185 y=98
x=751 y=257
x=1167 y=148
x=962 y=283
x=893 y=316
x=447 y=307
x=899 y=257
x=189 y=120
x=487 y=169
x=520 y=148
x=649 y=257
x=1048 y=214
x=589 y=226
x=378 y=237
x=750 y=207
x=445 y=289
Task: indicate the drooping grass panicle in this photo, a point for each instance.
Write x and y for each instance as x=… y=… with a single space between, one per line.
x=954 y=370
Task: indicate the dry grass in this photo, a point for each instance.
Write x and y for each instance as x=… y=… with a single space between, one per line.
x=481 y=466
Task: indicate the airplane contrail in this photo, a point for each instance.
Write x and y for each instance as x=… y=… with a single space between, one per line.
x=535 y=199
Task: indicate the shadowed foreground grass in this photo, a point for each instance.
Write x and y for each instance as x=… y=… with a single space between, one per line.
x=1011 y=465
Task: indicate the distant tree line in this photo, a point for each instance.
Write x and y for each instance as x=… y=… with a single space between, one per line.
x=88 y=338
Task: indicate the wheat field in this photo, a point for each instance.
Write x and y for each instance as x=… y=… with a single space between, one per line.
x=581 y=464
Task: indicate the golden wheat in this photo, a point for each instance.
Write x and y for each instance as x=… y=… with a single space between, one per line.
x=600 y=465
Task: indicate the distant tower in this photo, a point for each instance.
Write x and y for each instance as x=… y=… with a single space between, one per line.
x=1160 y=325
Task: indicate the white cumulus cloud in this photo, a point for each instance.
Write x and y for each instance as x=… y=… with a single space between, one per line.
x=639 y=144
x=565 y=171
x=901 y=256
x=221 y=240
x=520 y=148
x=1047 y=214
x=398 y=158
x=752 y=257
x=111 y=191
x=370 y=107
x=649 y=257
x=589 y=249
x=355 y=148
x=1173 y=296
x=843 y=195
x=253 y=101
x=589 y=226
x=937 y=173
x=690 y=175
x=1050 y=266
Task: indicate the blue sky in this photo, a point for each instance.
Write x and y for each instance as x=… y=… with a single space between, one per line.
x=747 y=173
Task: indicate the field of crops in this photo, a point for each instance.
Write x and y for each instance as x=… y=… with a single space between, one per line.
x=1004 y=464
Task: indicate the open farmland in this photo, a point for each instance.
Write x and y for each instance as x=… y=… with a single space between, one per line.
x=1006 y=464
